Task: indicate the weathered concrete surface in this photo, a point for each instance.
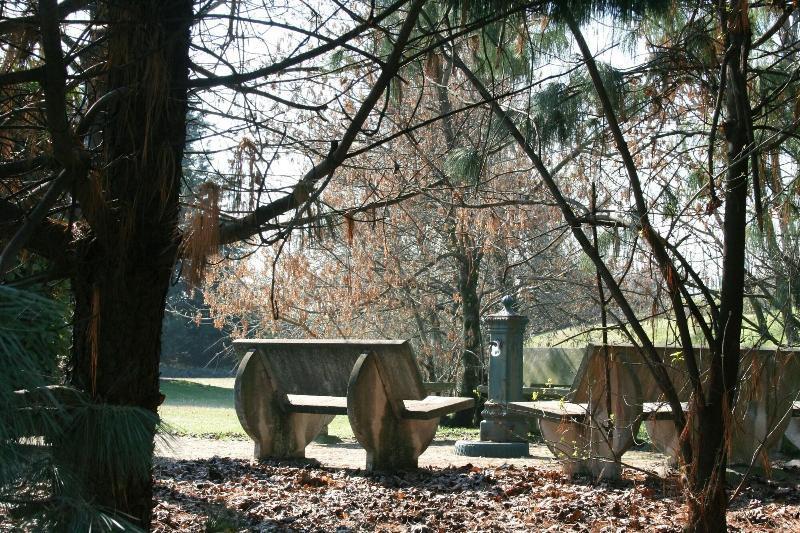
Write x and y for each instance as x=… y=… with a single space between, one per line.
x=261 y=408
x=608 y=391
x=287 y=391
x=556 y=366
x=770 y=384
x=793 y=429
x=379 y=385
x=572 y=438
x=274 y=368
x=391 y=442
x=762 y=414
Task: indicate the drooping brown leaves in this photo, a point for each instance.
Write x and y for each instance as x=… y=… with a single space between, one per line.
x=202 y=235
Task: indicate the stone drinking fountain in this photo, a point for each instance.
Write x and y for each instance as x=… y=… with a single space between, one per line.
x=502 y=434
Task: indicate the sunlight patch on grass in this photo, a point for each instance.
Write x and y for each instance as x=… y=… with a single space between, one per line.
x=203 y=407
x=224 y=383
x=209 y=422
x=456 y=433
x=199 y=409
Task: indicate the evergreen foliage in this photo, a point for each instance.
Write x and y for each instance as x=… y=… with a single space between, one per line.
x=620 y=10
x=49 y=432
x=464 y=165
x=556 y=113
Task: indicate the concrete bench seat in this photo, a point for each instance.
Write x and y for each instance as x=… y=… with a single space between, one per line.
x=660 y=410
x=426 y=409
x=322 y=405
x=434 y=407
x=551 y=409
x=287 y=391
x=658 y=421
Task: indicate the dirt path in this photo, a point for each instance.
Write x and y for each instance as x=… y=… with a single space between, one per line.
x=348 y=454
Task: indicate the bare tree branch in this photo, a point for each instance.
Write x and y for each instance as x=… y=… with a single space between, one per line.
x=251 y=224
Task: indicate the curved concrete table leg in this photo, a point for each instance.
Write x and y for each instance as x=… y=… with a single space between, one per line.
x=664 y=437
x=580 y=448
x=756 y=423
x=262 y=413
x=391 y=442
x=764 y=404
x=566 y=442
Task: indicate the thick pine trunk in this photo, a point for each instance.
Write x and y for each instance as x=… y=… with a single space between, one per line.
x=117 y=348
x=123 y=275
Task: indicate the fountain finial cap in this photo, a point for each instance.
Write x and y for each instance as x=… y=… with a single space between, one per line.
x=507 y=314
x=508 y=302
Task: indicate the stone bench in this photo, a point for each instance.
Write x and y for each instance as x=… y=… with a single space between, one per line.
x=764 y=410
x=576 y=432
x=287 y=391
x=581 y=432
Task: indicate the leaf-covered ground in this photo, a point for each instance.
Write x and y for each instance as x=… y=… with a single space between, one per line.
x=234 y=495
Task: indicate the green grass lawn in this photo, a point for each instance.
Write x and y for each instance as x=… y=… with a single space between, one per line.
x=200 y=409
x=203 y=407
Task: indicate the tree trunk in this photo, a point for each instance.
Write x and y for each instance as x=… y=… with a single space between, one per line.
x=123 y=274
x=708 y=500
x=468 y=277
x=468 y=259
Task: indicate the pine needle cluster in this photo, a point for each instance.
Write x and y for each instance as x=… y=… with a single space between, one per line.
x=53 y=439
